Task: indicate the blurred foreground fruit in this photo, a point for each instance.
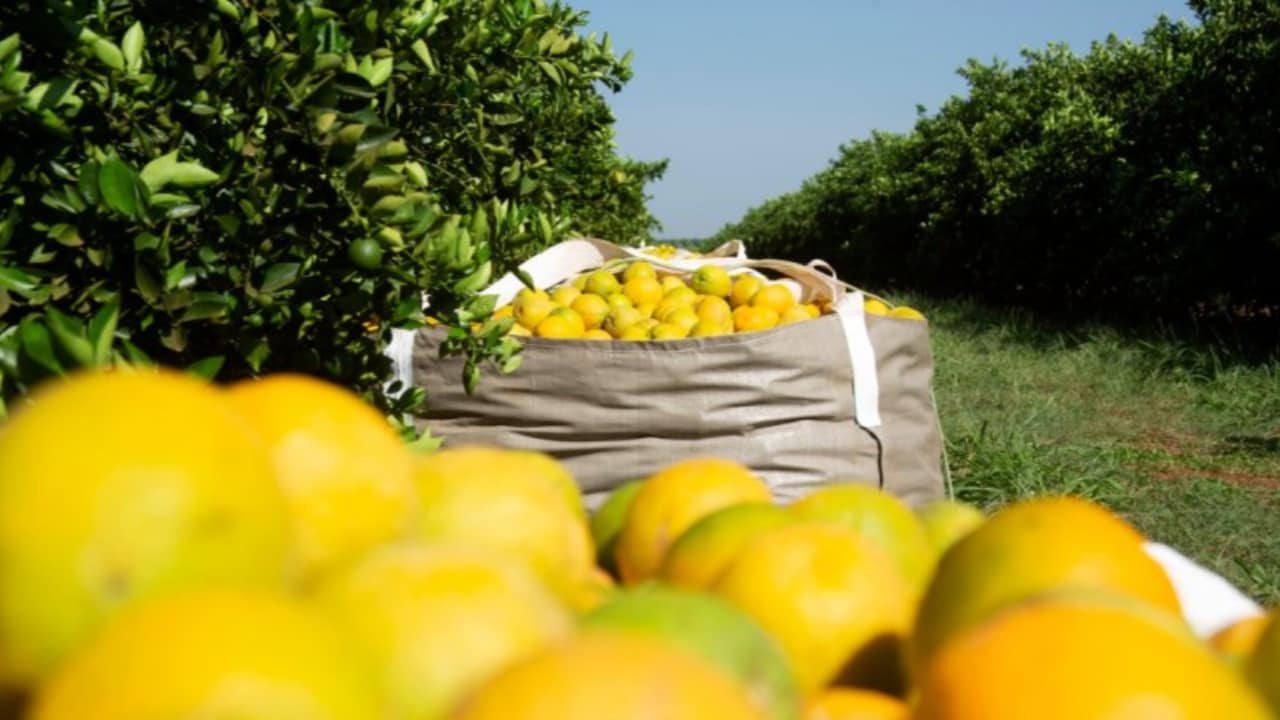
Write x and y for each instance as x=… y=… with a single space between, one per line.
x=701 y=553
x=119 y=486
x=215 y=654
x=673 y=499
x=713 y=629
x=435 y=620
x=1262 y=667
x=832 y=598
x=877 y=516
x=1238 y=640
x=490 y=501
x=1085 y=656
x=1026 y=549
x=345 y=473
x=619 y=676
x=946 y=521
x=846 y=703
x=607 y=522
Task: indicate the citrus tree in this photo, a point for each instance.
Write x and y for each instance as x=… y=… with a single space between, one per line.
x=239 y=187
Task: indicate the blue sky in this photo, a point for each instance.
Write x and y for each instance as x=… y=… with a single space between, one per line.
x=748 y=98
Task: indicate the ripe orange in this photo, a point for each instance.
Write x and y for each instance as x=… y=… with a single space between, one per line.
x=906 y=313
x=593 y=309
x=643 y=291
x=213 y=654
x=671 y=282
x=946 y=521
x=832 y=599
x=596 y=334
x=345 y=473
x=639 y=269
x=745 y=287
x=683 y=317
x=1026 y=549
x=1081 y=655
x=531 y=309
x=638 y=331
x=794 y=314
x=610 y=674
x=1237 y=641
x=701 y=553
x=775 y=297
x=673 y=499
x=878 y=516
x=618 y=300
x=846 y=703
x=668 y=331
x=602 y=283
x=709 y=329
x=873 y=306
x=620 y=319
x=565 y=295
x=561 y=323
x=1262 y=667
x=714 y=309
x=748 y=318
x=119 y=486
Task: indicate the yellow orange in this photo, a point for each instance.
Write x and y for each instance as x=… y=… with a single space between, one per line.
x=1262 y=666
x=611 y=674
x=907 y=313
x=1237 y=641
x=775 y=297
x=714 y=309
x=671 y=282
x=602 y=283
x=643 y=291
x=745 y=287
x=709 y=329
x=618 y=300
x=701 y=553
x=668 y=331
x=748 y=318
x=711 y=280
x=673 y=499
x=592 y=308
x=794 y=314
x=830 y=597
x=1026 y=549
x=620 y=319
x=639 y=269
x=634 y=332
x=345 y=473
x=562 y=323
x=1081 y=656
x=683 y=317
x=873 y=306
x=596 y=334
x=564 y=295
x=812 y=310
x=846 y=703
x=531 y=309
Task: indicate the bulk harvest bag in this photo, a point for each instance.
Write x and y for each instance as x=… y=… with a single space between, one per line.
x=843 y=396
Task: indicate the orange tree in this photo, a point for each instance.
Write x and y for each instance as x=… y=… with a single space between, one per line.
x=240 y=187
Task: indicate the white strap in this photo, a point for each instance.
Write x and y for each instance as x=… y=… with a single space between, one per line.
x=866 y=386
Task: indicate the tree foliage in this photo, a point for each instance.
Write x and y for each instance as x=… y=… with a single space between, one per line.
x=1139 y=179
x=243 y=187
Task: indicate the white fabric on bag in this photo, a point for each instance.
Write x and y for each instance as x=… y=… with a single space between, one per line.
x=1209 y=602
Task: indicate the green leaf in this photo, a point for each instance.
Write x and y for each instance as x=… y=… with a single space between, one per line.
x=207 y=368
x=131 y=46
x=146 y=282
x=119 y=186
x=135 y=355
x=174 y=275
x=102 y=330
x=155 y=174
x=202 y=310
x=69 y=332
x=38 y=345
x=353 y=85
x=280 y=276
x=108 y=53
x=258 y=355
x=11 y=278
x=8 y=46
x=192 y=174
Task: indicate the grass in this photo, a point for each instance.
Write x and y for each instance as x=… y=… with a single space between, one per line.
x=1182 y=440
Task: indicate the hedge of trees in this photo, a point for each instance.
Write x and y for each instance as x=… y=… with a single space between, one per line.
x=245 y=186
x=1137 y=179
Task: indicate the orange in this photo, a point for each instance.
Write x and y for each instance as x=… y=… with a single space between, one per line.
x=618 y=300
x=682 y=295
x=671 y=282
x=812 y=310
x=620 y=319
x=607 y=521
x=946 y=521
x=832 y=599
x=711 y=280
x=639 y=269
x=668 y=331
x=748 y=318
x=873 y=306
x=775 y=297
x=593 y=309
x=119 y=486
x=745 y=288
x=1026 y=549
x=531 y=293
x=1081 y=656
x=709 y=329
x=701 y=553
x=878 y=516
x=531 y=309
x=907 y=313
x=500 y=507
x=643 y=291
x=1262 y=667
x=611 y=674
x=501 y=463
x=635 y=332
x=580 y=283
x=1237 y=641
x=794 y=314
x=602 y=283
x=646 y=310
x=667 y=306
x=683 y=317
x=673 y=499
x=213 y=654
x=596 y=334
x=505 y=311
x=435 y=620
x=714 y=309
x=520 y=330
x=713 y=629
x=346 y=474
x=564 y=295
x=846 y=703
x=561 y=323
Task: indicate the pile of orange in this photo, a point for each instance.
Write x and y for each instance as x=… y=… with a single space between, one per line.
x=272 y=550
x=637 y=302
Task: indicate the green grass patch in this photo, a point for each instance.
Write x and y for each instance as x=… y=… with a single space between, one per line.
x=1182 y=439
